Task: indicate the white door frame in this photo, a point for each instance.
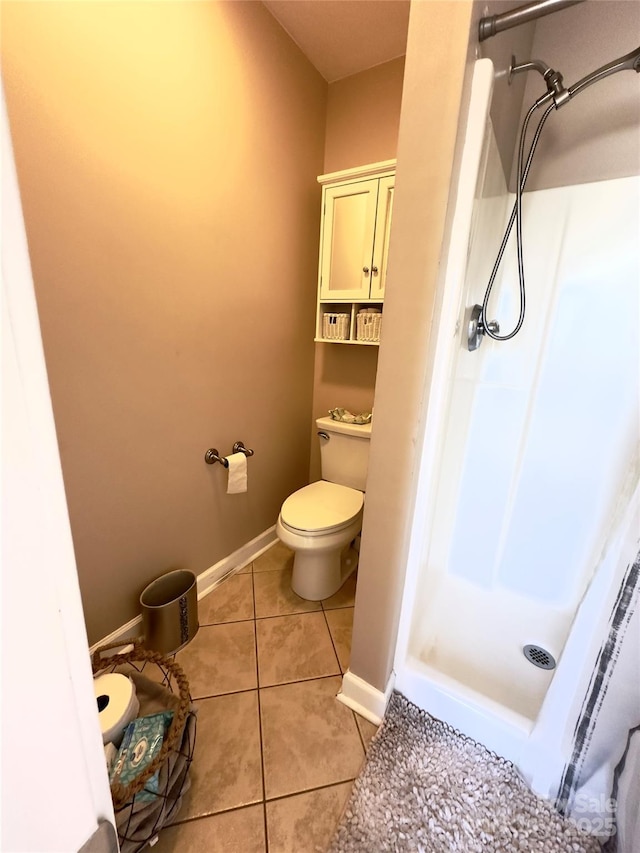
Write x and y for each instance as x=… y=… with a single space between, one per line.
x=55 y=787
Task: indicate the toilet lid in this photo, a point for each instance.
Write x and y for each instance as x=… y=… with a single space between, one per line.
x=320 y=506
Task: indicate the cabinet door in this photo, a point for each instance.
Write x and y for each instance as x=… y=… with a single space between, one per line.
x=347 y=240
x=381 y=244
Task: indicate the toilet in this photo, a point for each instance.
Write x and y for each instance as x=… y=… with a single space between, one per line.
x=321 y=520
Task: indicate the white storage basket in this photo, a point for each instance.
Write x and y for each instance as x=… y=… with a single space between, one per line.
x=368 y=326
x=335 y=327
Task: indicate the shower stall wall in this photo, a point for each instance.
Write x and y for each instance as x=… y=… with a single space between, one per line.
x=527 y=443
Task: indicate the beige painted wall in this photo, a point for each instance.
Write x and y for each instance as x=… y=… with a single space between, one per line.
x=595 y=137
x=363 y=116
x=167 y=156
x=437 y=50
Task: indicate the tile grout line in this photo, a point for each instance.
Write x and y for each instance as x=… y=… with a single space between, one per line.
x=267 y=686
x=226 y=693
x=227 y=622
x=311 y=790
x=209 y=815
x=293 y=613
x=264 y=790
x=274 y=616
x=333 y=645
x=301 y=681
x=258 y=689
x=298 y=681
x=355 y=719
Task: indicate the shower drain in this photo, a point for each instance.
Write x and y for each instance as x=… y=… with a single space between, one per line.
x=539 y=657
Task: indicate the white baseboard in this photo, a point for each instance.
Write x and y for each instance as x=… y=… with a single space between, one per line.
x=363 y=698
x=207 y=580
x=236 y=561
x=133 y=628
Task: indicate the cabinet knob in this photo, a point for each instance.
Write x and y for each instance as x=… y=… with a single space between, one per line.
x=365 y=270
x=374 y=270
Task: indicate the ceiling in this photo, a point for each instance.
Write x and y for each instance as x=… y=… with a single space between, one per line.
x=342 y=37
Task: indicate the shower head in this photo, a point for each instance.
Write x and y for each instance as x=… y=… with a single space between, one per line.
x=556 y=96
x=628 y=62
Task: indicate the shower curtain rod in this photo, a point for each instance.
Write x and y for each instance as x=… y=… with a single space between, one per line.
x=521 y=15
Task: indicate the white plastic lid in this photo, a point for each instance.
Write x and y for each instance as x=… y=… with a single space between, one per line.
x=321 y=505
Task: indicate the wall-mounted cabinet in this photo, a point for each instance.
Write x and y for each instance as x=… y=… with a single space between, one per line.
x=354 y=243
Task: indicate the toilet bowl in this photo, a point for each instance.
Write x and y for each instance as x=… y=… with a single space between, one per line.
x=318 y=522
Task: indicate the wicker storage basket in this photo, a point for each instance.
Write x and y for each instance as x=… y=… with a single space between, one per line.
x=335 y=327
x=368 y=326
x=161 y=685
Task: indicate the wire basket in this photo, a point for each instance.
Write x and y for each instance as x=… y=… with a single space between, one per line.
x=161 y=685
x=335 y=327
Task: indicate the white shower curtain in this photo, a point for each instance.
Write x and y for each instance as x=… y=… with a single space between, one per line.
x=584 y=752
x=600 y=784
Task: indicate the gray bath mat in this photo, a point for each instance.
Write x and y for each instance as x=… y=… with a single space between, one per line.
x=424 y=787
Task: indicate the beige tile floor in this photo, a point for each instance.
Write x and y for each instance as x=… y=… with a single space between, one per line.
x=276 y=754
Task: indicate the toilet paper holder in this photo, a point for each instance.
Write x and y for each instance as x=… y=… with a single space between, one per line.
x=239 y=447
x=212 y=454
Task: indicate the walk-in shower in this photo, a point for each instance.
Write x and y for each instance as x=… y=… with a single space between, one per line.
x=526 y=448
x=556 y=96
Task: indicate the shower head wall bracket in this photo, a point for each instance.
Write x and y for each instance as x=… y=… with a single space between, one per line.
x=554 y=80
x=533 y=65
x=476 y=329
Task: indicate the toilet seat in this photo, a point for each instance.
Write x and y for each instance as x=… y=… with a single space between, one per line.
x=321 y=507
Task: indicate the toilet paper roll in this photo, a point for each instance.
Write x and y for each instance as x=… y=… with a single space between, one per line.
x=117 y=705
x=237 y=474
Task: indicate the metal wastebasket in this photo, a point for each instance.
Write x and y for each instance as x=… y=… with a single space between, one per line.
x=170 y=611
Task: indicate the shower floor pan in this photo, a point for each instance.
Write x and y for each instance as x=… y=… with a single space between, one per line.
x=468 y=667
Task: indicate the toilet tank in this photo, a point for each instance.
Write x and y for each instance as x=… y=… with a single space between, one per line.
x=344 y=455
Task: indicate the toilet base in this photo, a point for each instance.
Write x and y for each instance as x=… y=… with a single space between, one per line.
x=320 y=575
x=321 y=564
